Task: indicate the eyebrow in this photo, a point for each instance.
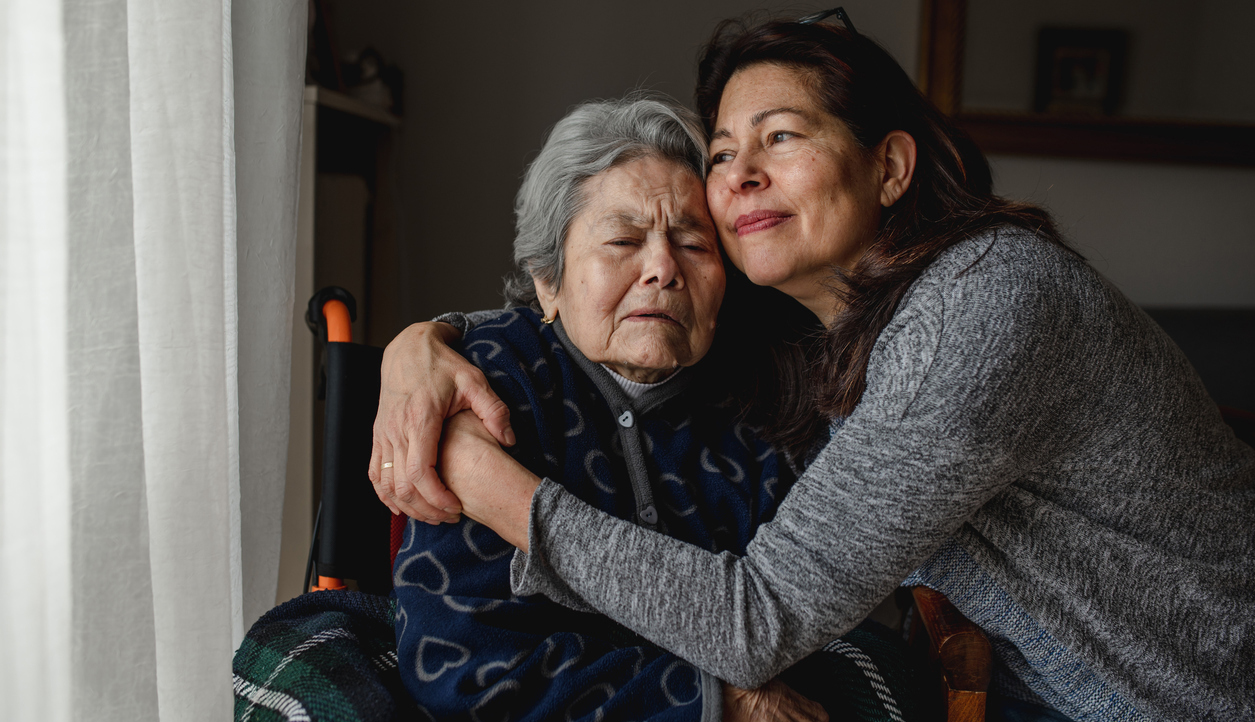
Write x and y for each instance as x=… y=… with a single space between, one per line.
x=759 y=117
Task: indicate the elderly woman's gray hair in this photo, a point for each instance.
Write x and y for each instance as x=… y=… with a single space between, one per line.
x=594 y=137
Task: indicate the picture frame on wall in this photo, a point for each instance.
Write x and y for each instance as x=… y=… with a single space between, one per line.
x=1080 y=71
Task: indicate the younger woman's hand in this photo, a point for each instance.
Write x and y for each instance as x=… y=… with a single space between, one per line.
x=772 y=702
x=422 y=382
x=495 y=489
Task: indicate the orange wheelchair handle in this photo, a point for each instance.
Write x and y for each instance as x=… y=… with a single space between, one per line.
x=339 y=324
x=330 y=313
x=328 y=584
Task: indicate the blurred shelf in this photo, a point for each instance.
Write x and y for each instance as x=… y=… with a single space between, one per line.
x=348 y=104
x=1111 y=138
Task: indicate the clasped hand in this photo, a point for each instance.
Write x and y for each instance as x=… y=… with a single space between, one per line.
x=494 y=488
x=772 y=702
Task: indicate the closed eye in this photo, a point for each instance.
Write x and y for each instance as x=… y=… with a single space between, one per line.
x=694 y=239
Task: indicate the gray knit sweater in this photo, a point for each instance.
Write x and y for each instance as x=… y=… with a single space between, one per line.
x=1019 y=406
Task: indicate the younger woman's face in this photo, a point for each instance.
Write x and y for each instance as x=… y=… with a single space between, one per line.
x=791 y=192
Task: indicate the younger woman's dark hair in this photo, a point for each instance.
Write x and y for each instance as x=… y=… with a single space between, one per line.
x=806 y=374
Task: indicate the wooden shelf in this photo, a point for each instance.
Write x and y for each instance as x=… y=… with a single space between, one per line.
x=348 y=104
x=1106 y=138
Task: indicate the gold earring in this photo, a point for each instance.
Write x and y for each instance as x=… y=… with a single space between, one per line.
x=546 y=320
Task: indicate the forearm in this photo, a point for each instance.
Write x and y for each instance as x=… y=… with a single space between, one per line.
x=494 y=487
x=504 y=506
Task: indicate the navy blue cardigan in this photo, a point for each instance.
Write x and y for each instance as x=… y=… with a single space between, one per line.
x=672 y=460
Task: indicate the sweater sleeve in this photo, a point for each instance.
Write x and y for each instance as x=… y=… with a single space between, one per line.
x=464 y=322
x=964 y=373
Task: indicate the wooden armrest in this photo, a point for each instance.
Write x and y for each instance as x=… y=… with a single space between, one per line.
x=961 y=647
x=962 y=651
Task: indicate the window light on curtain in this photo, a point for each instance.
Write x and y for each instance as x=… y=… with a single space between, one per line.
x=148 y=166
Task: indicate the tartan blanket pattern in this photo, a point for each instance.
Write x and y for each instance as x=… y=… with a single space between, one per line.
x=322 y=656
x=869 y=675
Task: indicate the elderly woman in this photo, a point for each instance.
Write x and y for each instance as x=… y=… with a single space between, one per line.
x=619 y=287
x=1014 y=432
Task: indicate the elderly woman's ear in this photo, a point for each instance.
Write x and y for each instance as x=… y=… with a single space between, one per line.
x=547 y=297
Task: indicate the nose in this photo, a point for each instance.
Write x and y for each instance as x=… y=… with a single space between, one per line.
x=661 y=266
x=745 y=173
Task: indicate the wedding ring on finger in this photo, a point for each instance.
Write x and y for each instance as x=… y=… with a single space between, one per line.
x=387 y=464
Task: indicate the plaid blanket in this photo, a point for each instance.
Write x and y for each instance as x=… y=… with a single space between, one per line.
x=322 y=656
x=331 y=657
x=868 y=675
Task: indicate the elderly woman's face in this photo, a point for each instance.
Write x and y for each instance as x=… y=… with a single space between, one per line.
x=790 y=190
x=643 y=279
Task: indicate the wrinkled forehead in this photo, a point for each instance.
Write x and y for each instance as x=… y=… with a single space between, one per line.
x=614 y=221
x=645 y=194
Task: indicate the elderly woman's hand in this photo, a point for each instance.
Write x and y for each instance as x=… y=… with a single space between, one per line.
x=774 y=701
x=422 y=382
x=495 y=489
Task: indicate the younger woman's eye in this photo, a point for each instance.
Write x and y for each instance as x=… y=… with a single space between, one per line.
x=720 y=157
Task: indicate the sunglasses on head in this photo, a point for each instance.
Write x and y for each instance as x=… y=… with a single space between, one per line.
x=839 y=12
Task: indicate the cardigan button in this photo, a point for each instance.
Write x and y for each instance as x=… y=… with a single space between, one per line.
x=625 y=420
x=649 y=515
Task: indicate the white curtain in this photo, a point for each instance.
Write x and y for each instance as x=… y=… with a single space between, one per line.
x=148 y=166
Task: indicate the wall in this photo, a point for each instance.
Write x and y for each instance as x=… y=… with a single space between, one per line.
x=1224 y=64
x=1184 y=61
x=1168 y=235
x=484 y=81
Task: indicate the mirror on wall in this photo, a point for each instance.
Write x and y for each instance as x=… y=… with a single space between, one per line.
x=1152 y=80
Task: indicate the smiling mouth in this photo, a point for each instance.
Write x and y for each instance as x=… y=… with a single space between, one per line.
x=759 y=221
